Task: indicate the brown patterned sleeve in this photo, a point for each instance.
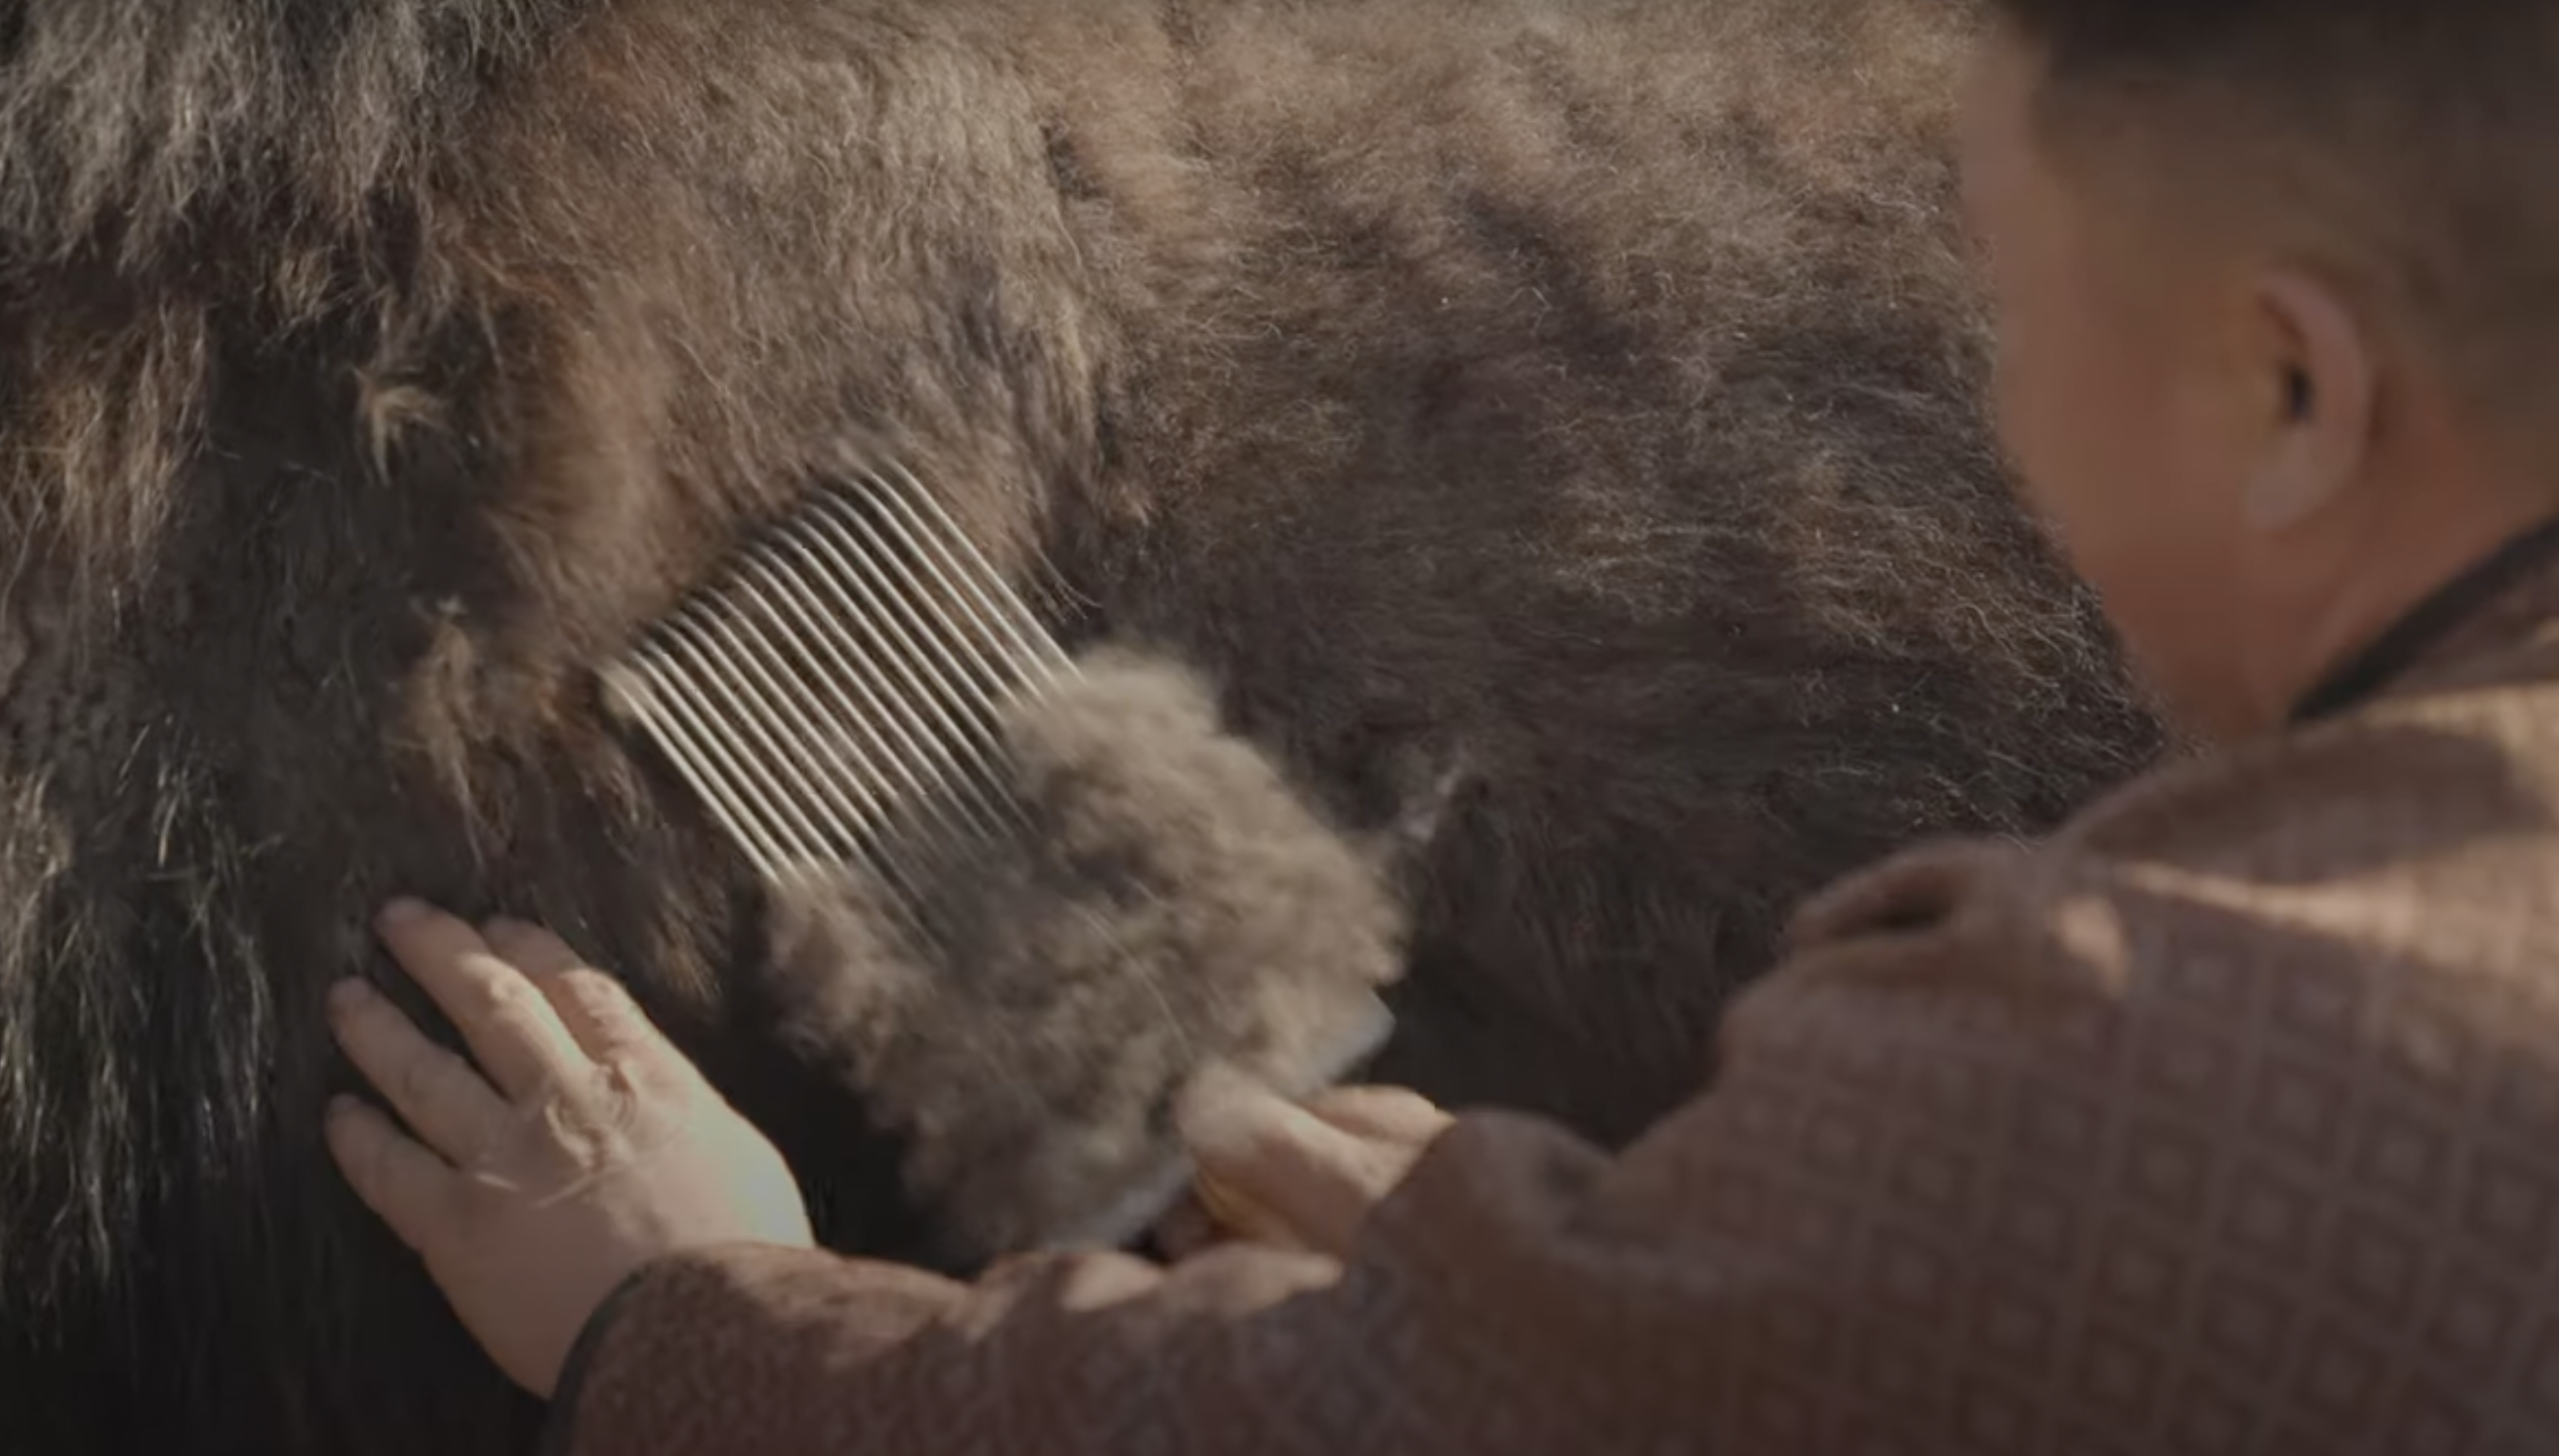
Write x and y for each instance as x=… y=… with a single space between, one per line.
x=2002 y=1165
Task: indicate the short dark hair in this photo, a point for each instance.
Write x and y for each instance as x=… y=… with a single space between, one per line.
x=2404 y=144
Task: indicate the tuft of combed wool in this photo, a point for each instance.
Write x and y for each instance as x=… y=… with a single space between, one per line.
x=1169 y=904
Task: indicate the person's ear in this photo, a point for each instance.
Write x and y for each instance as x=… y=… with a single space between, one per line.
x=2323 y=387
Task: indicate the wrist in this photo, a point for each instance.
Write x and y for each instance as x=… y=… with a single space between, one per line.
x=565 y=1384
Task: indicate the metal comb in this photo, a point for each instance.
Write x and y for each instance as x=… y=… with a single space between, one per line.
x=843 y=683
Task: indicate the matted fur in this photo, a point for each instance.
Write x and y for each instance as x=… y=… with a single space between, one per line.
x=1576 y=396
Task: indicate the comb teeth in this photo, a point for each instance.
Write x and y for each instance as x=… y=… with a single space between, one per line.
x=843 y=684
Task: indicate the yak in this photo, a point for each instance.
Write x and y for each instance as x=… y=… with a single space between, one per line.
x=1552 y=434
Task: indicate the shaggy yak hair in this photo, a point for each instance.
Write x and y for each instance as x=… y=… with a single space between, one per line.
x=1550 y=427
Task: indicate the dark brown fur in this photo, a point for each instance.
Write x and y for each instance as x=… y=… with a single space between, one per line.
x=1579 y=396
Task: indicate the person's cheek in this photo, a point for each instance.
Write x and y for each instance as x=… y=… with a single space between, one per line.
x=2069 y=449
x=2123 y=516
x=2023 y=405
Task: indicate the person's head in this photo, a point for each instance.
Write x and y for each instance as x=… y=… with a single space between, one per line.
x=2278 y=287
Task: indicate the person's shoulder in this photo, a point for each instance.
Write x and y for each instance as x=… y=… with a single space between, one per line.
x=2418 y=834
x=2377 y=793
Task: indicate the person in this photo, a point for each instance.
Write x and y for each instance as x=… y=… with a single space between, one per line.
x=2219 y=1121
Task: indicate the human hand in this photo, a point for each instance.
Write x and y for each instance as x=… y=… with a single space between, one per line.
x=1302 y=1175
x=591 y=1147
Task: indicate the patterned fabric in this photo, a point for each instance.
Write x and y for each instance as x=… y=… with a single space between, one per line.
x=2226 y=1122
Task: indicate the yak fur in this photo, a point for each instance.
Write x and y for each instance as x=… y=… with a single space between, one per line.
x=1573 y=404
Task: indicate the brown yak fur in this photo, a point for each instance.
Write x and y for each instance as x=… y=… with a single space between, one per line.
x=1578 y=398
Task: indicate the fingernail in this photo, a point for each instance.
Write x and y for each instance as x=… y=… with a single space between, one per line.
x=349 y=994
x=404 y=911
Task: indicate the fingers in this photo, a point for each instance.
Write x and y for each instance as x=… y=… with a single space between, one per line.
x=596 y=1008
x=602 y=1016
x=510 y=1025
x=435 y=1091
x=1265 y=1161
x=406 y=1186
x=529 y=948
x=1383 y=1113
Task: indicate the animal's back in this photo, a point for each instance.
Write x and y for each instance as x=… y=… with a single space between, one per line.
x=1575 y=400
